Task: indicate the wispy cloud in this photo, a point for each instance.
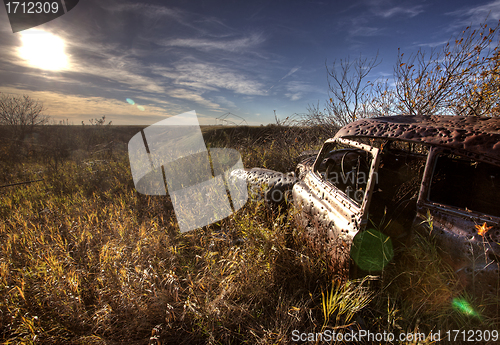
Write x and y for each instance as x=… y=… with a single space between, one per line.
x=224 y=101
x=367 y=23
x=477 y=14
x=432 y=44
x=292 y=71
x=366 y=31
x=112 y=66
x=399 y=11
x=294 y=96
x=298 y=89
x=233 y=45
x=153 y=13
x=127 y=80
x=363 y=25
x=193 y=97
x=144 y=9
x=392 y=8
x=159 y=15
x=207 y=76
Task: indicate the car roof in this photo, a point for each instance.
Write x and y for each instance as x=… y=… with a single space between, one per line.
x=466 y=134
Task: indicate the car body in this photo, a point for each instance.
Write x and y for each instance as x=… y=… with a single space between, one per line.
x=438 y=175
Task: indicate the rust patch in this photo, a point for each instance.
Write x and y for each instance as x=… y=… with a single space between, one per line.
x=474 y=258
x=480 y=135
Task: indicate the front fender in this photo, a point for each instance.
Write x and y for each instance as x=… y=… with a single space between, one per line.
x=272 y=186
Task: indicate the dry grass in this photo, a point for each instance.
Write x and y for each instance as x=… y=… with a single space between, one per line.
x=85 y=259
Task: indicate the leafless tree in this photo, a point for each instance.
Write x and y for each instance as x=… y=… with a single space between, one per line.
x=21 y=113
x=352 y=96
x=349 y=93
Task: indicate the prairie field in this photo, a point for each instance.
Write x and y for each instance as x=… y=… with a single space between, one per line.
x=86 y=259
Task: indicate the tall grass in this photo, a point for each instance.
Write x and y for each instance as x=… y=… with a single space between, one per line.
x=85 y=259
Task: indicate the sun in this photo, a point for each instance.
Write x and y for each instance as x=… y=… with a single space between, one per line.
x=43 y=50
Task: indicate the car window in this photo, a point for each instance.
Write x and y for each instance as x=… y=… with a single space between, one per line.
x=467 y=184
x=345 y=168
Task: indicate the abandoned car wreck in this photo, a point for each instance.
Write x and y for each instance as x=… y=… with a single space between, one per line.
x=438 y=175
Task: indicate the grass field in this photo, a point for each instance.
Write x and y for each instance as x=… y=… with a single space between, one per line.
x=85 y=259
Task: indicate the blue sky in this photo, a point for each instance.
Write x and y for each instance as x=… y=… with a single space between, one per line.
x=247 y=58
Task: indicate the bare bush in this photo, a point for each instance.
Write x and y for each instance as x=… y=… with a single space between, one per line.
x=460 y=79
x=21 y=113
x=96 y=135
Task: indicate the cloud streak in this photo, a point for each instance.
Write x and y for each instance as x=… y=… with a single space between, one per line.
x=366 y=31
x=194 y=97
x=234 y=45
x=298 y=89
x=477 y=14
x=208 y=76
x=399 y=11
x=292 y=71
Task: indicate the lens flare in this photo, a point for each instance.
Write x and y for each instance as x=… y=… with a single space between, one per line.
x=371 y=250
x=463 y=306
x=132 y=102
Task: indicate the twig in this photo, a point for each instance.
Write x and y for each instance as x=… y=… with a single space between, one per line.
x=18 y=183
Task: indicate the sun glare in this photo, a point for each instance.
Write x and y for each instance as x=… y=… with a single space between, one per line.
x=43 y=50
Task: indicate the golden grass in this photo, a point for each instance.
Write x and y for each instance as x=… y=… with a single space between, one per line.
x=84 y=259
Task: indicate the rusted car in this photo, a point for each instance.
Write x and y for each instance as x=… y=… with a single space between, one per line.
x=439 y=175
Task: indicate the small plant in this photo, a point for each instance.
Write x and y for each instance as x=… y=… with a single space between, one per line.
x=344 y=300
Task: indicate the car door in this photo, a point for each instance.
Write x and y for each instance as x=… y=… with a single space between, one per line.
x=334 y=196
x=460 y=206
